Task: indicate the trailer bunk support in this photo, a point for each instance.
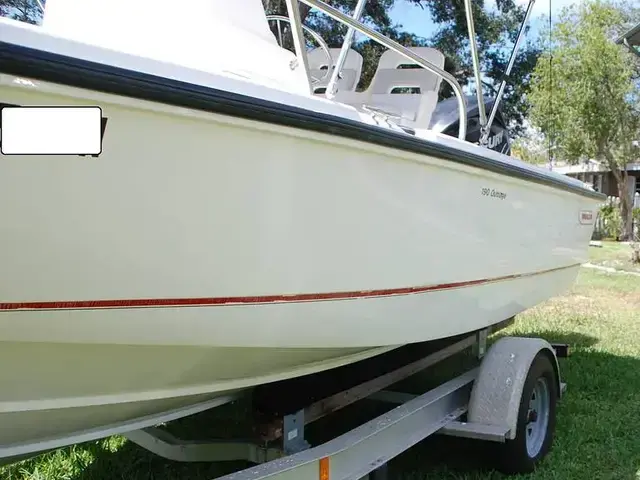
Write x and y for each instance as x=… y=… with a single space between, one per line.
x=452 y=408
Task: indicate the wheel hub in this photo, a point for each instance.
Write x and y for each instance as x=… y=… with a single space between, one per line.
x=538 y=417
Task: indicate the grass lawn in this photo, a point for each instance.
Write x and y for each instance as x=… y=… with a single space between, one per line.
x=614 y=255
x=598 y=431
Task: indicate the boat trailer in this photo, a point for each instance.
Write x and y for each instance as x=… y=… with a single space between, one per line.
x=509 y=398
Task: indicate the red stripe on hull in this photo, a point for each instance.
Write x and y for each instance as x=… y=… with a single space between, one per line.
x=260 y=299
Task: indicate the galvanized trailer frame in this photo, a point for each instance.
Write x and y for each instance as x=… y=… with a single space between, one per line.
x=489 y=407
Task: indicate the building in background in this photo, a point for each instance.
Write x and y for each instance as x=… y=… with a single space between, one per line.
x=600 y=177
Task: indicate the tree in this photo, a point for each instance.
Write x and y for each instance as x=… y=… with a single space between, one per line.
x=530 y=148
x=495 y=30
x=23 y=10
x=584 y=97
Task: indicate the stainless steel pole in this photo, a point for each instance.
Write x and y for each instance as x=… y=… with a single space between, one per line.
x=298 y=38
x=503 y=84
x=468 y=7
x=332 y=87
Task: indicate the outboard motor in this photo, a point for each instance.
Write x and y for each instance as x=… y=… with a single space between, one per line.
x=445 y=119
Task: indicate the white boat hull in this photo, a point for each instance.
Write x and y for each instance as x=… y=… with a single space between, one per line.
x=201 y=254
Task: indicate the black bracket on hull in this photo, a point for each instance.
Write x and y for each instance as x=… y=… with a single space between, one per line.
x=563 y=350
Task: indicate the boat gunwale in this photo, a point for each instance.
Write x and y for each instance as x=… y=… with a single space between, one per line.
x=76 y=72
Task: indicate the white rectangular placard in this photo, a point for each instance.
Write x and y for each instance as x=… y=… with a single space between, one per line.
x=50 y=130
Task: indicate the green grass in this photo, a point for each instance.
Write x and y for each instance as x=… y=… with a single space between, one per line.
x=598 y=431
x=614 y=255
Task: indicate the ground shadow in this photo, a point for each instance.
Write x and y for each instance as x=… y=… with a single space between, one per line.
x=132 y=462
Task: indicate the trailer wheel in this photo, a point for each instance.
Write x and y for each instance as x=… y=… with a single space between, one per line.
x=536 y=419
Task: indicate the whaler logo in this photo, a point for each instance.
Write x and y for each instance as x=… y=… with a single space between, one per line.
x=586 y=217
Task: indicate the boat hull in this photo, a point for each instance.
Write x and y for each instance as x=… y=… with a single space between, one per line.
x=200 y=254
x=74 y=388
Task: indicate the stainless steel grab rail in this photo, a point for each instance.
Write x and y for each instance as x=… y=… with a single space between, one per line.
x=384 y=41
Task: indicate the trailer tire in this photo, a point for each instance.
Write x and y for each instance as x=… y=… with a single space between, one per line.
x=536 y=419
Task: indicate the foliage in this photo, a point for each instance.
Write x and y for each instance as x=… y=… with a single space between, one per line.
x=23 y=10
x=584 y=97
x=611 y=220
x=530 y=148
x=495 y=32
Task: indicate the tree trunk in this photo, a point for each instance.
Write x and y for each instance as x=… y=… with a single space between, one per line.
x=279 y=7
x=626 y=210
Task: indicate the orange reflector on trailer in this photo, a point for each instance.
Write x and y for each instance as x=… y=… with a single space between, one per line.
x=324 y=468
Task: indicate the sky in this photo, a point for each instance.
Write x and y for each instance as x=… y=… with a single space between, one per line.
x=418 y=21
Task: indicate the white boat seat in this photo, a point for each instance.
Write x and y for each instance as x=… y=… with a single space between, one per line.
x=349 y=76
x=388 y=88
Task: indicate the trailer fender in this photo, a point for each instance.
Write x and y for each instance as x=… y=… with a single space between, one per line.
x=497 y=390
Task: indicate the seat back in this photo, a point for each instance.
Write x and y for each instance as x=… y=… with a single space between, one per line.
x=409 y=93
x=349 y=76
